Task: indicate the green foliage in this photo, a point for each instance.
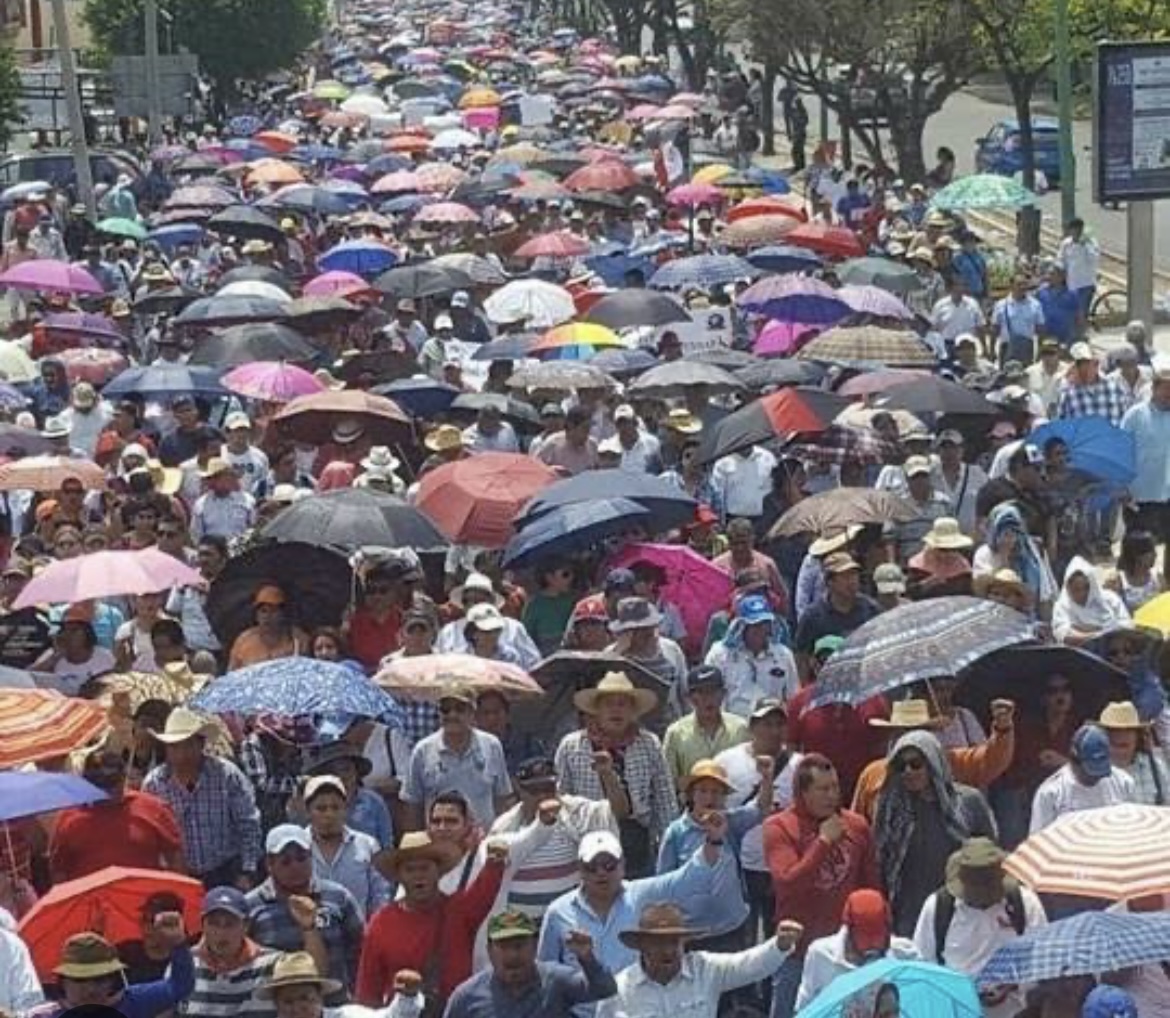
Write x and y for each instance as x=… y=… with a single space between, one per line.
x=10 y=113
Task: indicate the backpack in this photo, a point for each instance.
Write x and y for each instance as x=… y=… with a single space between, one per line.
x=944 y=914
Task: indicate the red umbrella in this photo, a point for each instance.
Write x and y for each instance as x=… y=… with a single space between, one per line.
x=766 y=206
x=474 y=501
x=92 y=364
x=830 y=241
x=780 y=415
x=560 y=244
x=108 y=902
x=276 y=141
x=604 y=175
x=40 y=724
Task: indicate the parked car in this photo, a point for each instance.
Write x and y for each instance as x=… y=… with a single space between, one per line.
x=999 y=151
x=56 y=167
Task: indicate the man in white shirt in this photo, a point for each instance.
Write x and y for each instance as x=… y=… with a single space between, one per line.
x=666 y=980
x=249 y=463
x=20 y=989
x=222 y=509
x=640 y=451
x=957 y=312
x=490 y=433
x=975 y=914
x=960 y=482
x=406 y=333
x=1088 y=780
x=1080 y=257
x=744 y=479
x=85 y=417
x=1044 y=378
x=1017 y=320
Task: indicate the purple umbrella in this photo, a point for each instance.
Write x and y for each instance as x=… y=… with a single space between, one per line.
x=794 y=298
x=873 y=300
x=780 y=339
x=52 y=276
x=77 y=323
x=201 y=196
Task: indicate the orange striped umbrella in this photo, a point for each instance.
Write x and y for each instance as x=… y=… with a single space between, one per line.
x=38 y=724
x=1115 y=852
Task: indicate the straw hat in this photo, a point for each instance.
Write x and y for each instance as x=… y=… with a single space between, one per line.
x=908 y=714
x=615 y=684
x=946 y=535
x=684 y=422
x=444 y=438
x=1121 y=716
x=88 y=956
x=416 y=845
x=659 y=920
x=984 y=583
x=708 y=770
x=182 y=724
x=826 y=544
x=215 y=466
x=296 y=969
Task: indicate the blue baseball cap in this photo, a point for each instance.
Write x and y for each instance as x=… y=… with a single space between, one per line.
x=1109 y=1002
x=753 y=609
x=1090 y=750
x=226 y=899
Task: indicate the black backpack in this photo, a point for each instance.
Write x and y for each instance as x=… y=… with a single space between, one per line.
x=944 y=914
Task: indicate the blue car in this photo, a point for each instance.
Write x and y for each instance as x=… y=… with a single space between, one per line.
x=999 y=150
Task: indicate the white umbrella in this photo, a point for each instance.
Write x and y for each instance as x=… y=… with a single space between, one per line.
x=538 y=304
x=455 y=138
x=365 y=105
x=254 y=288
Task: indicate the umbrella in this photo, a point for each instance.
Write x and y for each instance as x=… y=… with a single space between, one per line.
x=874 y=301
x=667 y=380
x=27 y=793
x=78 y=326
x=605 y=175
x=693 y=195
x=417 y=281
x=563 y=376
x=760 y=231
x=106 y=574
x=1117 y=853
x=127 y=228
x=218 y=310
x=868 y=344
x=419 y=395
x=20 y=442
x=446 y=213
x=982 y=191
x=538 y=304
x=109 y=902
x=518 y=412
x=784 y=258
x=354 y=518
x=256 y=287
x=918 y=641
x=317 y=582
x=257 y=274
x=1092 y=943
x=202 y=196
x=780 y=373
x=573 y=528
x=172 y=686
x=621 y=361
x=628 y=308
x=246 y=221
x=1095 y=447
x=475 y=500
x=573 y=341
x=767 y=206
x=830 y=241
x=311 y=419
x=307 y=198
x=840 y=443
x=313 y=314
x=670 y=506
x=835 y=510
x=271 y=381
x=426 y=677
x=935 y=395
x=162 y=381
x=886 y=273
x=297 y=687
x=478 y=269
x=399 y=181
x=781 y=339
x=705 y=272
x=48 y=275
x=924 y=991
x=93 y=365
x=869 y=383
x=559 y=244
x=364 y=257
x=780 y=415
x=256 y=341
x=39 y=724
x=48 y=473
x=336 y=284
x=794 y=298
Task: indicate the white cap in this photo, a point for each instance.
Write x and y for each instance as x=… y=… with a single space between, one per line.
x=237 y=420
x=283 y=835
x=597 y=843
x=610 y=445
x=625 y=412
x=443 y=322
x=1082 y=352
x=460 y=299
x=321 y=783
x=485 y=616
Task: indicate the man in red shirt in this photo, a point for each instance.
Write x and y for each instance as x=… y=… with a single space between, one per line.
x=128 y=829
x=818 y=854
x=426 y=931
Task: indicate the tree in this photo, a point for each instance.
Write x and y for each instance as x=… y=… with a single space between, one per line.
x=10 y=111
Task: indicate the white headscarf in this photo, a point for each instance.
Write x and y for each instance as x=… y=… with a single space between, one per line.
x=1102 y=610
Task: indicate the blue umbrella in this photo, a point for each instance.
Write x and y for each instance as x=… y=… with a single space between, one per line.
x=783 y=258
x=11 y=398
x=27 y=794
x=316 y=153
x=247 y=148
x=704 y=271
x=670 y=505
x=1081 y=945
x=419 y=396
x=1094 y=446
x=387 y=163
x=165 y=380
x=298 y=687
x=364 y=257
x=924 y=991
x=769 y=181
x=506 y=348
x=612 y=266
x=244 y=126
x=170 y=237
x=574 y=528
x=624 y=361
x=405 y=203
x=307 y=198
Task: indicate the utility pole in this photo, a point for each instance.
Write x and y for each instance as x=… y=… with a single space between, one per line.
x=153 y=83
x=1068 y=156
x=72 y=90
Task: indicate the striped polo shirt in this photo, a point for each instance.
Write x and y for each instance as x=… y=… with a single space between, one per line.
x=231 y=993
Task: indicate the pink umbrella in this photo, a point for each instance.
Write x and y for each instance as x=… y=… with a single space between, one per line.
x=879 y=381
x=398 y=182
x=92 y=364
x=446 y=213
x=643 y=111
x=696 y=587
x=559 y=244
x=107 y=574
x=781 y=339
x=51 y=276
x=483 y=118
x=693 y=195
x=336 y=284
x=271 y=381
x=873 y=300
x=439 y=177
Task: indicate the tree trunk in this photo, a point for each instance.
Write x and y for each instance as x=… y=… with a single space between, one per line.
x=1022 y=87
x=906 y=133
x=768 y=109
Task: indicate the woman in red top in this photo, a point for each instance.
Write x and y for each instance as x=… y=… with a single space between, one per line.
x=374 y=628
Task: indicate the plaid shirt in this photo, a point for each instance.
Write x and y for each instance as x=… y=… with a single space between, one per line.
x=217 y=818
x=273 y=786
x=419 y=719
x=1105 y=397
x=1153 y=789
x=641 y=767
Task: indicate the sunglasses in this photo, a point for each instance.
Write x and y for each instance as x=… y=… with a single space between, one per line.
x=601 y=867
x=913 y=763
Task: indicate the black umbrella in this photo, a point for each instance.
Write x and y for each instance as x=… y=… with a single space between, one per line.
x=255 y=274
x=416 y=281
x=1022 y=673
x=778 y=416
x=210 y=312
x=166 y=301
x=519 y=413
x=377 y=365
x=16 y=441
x=242 y=344
x=161 y=380
x=781 y=372
x=669 y=505
x=317 y=583
x=934 y=395
x=308 y=314
x=353 y=518
x=605 y=200
x=666 y=380
x=246 y=221
x=628 y=308
x=723 y=357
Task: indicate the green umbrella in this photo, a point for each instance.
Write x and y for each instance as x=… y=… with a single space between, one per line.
x=123 y=228
x=982 y=191
x=330 y=90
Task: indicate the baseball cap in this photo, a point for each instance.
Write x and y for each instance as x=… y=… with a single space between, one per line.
x=443 y=322
x=867 y=917
x=510 y=925
x=283 y=835
x=324 y=783
x=619 y=579
x=536 y=768
x=236 y=420
x=828 y=645
x=225 y=899
x=1090 y=749
x=460 y=299
x=705 y=675
x=597 y=843
x=889 y=579
x=1082 y=352
x=625 y=412
x=840 y=562
x=754 y=609
x=916 y=465
x=966 y=339
x=766 y=705
x=949 y=437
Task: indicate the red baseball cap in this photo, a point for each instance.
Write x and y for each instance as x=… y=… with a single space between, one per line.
x=867 y=917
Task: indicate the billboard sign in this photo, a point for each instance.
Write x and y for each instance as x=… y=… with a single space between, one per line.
x=1131 y=122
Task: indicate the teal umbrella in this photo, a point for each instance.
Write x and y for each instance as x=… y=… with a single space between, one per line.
x=982 y=191
x=920 y=991
x=118 y=227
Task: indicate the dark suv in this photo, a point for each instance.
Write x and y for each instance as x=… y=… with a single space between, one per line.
x=55 y=166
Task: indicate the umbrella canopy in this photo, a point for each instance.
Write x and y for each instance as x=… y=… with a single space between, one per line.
x=760 y=231
x=365 y=257
x=563 y=375
x=840 y=443
x=559 y=244
x=918 y=641
x=934 y=395
x=895 y=277
x=256 y=341
x=573 y=340
x=869 y=383
x=417 y=281
x=777 y=416
x=670 y=506
x=924 y=991
x=475 y=500
x=830 y=241
x=784 y=258
x=868 y=344
x=246 y=221
x=218 y=310
x=297 y=687
x=353 y=518
x=794 y=298
x=1116 y=853
x=257 y=274
x=426 y=677
x=667 y=380
x=705 y=271
x=875 y=302
x=628 y=308
x=606 y=175
x=47 y=275
x=835 y=510
x=48 y=473
x=419 y=395
x=1095 y=447
x=480 y=270
x=271 y=381
x=109 y=902
x=106 y=574
x=162 y=381
x=573 y=528
x=767 y=206
x=311 y=419
x=39 y=724
x=517 y=412
x=538 y=304
x=780 y=372
x=20 y=442
x=982 y=191
x=336 y=284
x=783 y=338
x=27 y=793
x=621 y=361
x=91 y=364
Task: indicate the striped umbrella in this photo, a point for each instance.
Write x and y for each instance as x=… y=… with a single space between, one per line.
x=867 y=344
x=1114 y=852
x=39 y=724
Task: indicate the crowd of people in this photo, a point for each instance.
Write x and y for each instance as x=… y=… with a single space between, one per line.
x=636 y=719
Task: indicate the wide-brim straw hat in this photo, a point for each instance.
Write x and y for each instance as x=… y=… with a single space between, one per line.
x=296 y=969
x=908 y=714
x=656 y=922
x=1121 y=716
x=416 y=845
x=615 y=684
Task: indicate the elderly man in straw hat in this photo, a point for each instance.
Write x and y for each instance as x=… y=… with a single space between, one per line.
x=1132 y=750
x=666 y=979
x=612 y=757
x=426 y=930
x=296 y=988
x=213 y=801
x=90 y=974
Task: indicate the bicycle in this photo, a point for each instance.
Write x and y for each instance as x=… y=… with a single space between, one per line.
x=1109 y=309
